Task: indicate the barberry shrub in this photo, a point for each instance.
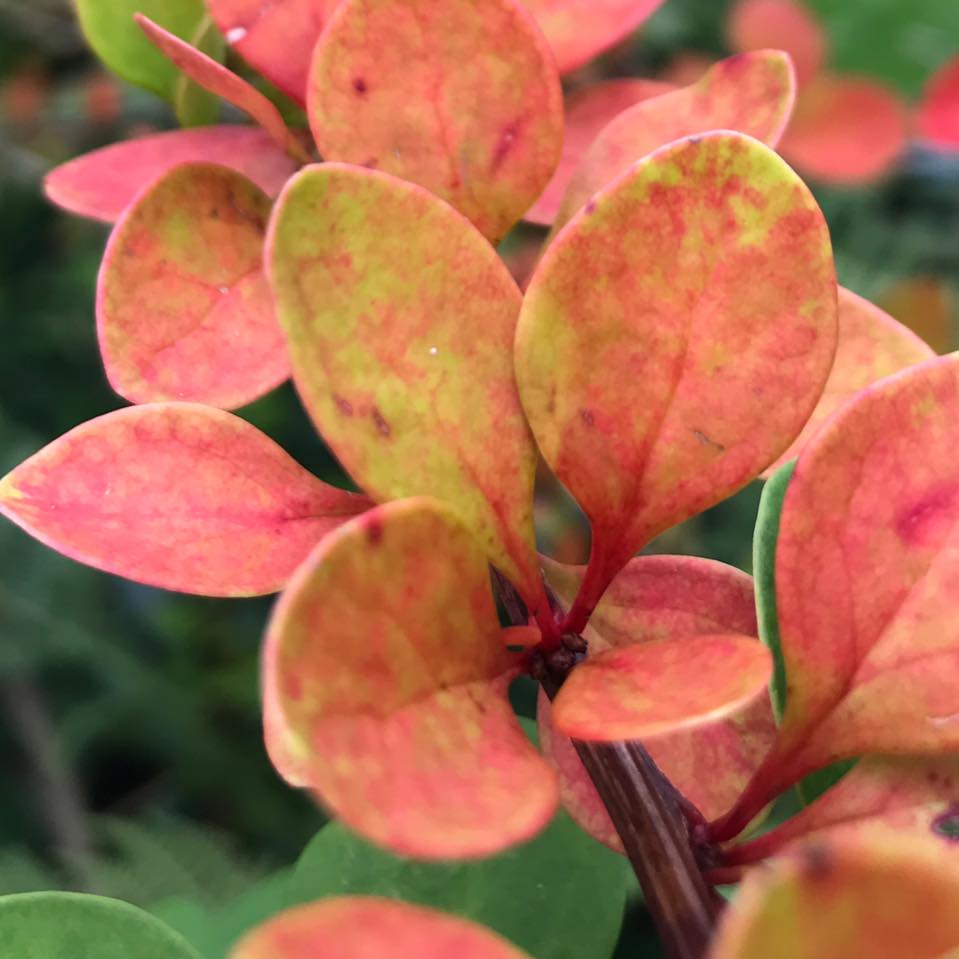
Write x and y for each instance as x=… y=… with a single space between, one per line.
x=681 y=335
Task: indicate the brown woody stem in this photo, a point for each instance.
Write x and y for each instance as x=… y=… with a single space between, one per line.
x=655 y=824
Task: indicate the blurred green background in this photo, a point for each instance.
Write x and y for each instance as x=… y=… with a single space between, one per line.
x=130 y=742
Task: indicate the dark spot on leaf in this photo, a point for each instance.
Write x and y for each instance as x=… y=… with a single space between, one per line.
x=706 y=441
x=587 y=417
x=359 y=84
x=374 y=529
x=590 y=206
x=343 y=405
x=382 y=427
x=817 y=861
x=695 y=139
x=947 y=824
x=372 y=163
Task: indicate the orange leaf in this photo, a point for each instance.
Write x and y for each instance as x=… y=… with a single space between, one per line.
x=656 y=598
x=660 y=331
x=779 y=25
x=183 y=307
x=385 y=690
x=872 y=345
x=224 y=83
x=355 y=927
x=867 y=568
x=176 y=495
x=845 y=130
x=752 y=93
x=927 y=306
x=876 y=895
x=651 y=689
x=461 y=97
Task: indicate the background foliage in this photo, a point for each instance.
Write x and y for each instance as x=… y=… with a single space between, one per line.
x=129 y=725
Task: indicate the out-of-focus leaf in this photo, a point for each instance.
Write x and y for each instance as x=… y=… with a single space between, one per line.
x=938 y=116
x=176 y=495
x=194 y=105
x=461 y=97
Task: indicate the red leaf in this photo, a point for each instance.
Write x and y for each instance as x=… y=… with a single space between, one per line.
x=867 y=570
x=386 y=689
x=461 y=97
x=659 y=332
x=651 y=689
x=845 y=130
x=224 y=83
x=578 y=30
x=365 y=927
x=102 y=184
x=779 y=25
x=276 y=39
x=656 y=598
x=183 y=307
x=872 y=345
x=938 y=116
x=751 y=93
x=587 y=112
x=176 y=495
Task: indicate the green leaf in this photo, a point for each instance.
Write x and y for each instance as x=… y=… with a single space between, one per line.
x=764 y=574
x=67 y=925
x=559 y=896
x=822 y=780
x=109 y=28
x=195 y=106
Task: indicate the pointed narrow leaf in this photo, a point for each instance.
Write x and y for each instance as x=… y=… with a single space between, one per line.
x=752 y=93
x=48 y=925
x=764 y=569
x=650 y=689
x=658 y=331
x=779 y=25
x=109 y=28
x=224 y=83
x=184 y=310
x=400 y=320
x=193 y=104
x=906 y=793
x=277 y=39
x=867 y=565
x=553 y=918
x=461 y=97
x=587 y=112
x=938 y=115
x=102 y=184
x=878 y=895
x=871 y=346
x=367 y=926
x=655 y=598
x=176 y=495
x=845 y=130
x=579 y=30
x=385 y=681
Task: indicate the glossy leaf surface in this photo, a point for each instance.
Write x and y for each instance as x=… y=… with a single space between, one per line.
x=350 y=927
x=652 y=599
x=276 y=39
x=385 y=689
x=184 y=310
x=400 y=320
x=867 y=566
x=68 y=925
x=878 y=895
x=587 y=111
x=779 y=25
x=658 y=330
x=752 y=93
x=109 y=28
x=938 y=115
x=871 y=345
x=650 y=689
x=176 y=495
x=554 y=918
x=102 y=184
x=461 y=97
x=224 y=83
x=845 y=130
x=578 y=30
